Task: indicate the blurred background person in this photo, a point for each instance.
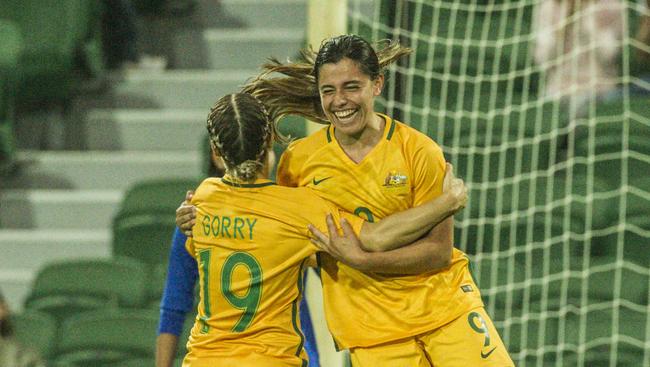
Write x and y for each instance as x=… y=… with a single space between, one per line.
x=578 y=46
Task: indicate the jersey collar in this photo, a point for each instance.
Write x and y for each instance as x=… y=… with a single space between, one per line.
x=389 y=128
x=260 y=182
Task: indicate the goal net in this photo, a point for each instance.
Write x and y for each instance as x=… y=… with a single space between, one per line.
x=544 y=110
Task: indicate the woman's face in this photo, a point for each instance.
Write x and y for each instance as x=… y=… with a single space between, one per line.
x=347 y=95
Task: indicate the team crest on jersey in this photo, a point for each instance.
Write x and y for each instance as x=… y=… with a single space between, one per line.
x=395 y=179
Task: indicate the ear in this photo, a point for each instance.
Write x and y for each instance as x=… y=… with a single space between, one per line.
x=213 y=149
x=378 y=85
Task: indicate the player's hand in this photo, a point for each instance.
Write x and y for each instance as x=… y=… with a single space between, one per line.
x=455 y=188
x=345 y=248
x=186 y=215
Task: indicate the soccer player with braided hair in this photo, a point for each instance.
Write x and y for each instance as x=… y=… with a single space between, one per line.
x=251 y=243
x=422 y=310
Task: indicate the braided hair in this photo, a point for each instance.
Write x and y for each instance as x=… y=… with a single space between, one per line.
x=241 y=130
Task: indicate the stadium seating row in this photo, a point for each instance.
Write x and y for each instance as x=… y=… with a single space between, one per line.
x=92 y=312
x=11 y=46
x=60 y=43
x=100 y=337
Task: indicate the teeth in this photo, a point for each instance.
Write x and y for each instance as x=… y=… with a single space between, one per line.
x=344 y=114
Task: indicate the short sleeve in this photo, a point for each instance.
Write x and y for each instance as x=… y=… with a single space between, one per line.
x=428 y=170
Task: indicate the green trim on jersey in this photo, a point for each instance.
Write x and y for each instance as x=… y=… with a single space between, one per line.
x=472 y=269
x=248 y=186
x=294 y=313
x=329 y=135
x=391 y=129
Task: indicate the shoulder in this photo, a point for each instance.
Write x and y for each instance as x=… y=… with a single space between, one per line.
x=298 y=153
x=298 y=203
x=307 y=144
x=412 y=140
x=204 y=189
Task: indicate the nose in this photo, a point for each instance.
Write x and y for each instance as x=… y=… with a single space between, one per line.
x=340 y=99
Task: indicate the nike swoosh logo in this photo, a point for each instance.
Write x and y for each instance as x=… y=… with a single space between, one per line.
x=485 y=355
x=316 y=182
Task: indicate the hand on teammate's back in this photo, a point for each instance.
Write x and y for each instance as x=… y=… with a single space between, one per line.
x=186 y=215
x=455 y=187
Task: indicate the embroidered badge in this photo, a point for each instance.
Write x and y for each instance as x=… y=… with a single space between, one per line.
x=395 y=179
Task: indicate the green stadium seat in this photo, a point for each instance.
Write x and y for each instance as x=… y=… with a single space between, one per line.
x=145 y=223
x=144 y=237
x=107 y=337
x=37 y=330
x=136 y=362
x=149 y=6
x=11 y=46
x=155 y=197
x=61 y=38
x=156 y=286
x=66 y=288
x=185 y=335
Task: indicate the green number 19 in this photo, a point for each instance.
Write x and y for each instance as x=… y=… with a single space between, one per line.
x=248 y=302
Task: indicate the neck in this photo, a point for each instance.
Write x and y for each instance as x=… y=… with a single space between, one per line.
x=359 y=145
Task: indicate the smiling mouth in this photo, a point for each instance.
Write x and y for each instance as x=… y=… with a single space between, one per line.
x=345 y=114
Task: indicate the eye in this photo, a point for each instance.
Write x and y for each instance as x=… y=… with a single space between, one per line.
x=352 y=87
x=327 y=91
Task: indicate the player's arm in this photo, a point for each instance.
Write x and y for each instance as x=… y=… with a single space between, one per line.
x=429 y=253
x=417 y=258
x=166 y=346
x=177 y=300
x=408 y=226
x=432 y=252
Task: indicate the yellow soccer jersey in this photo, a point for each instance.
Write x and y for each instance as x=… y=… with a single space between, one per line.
x=251 y=242
x=405 y=169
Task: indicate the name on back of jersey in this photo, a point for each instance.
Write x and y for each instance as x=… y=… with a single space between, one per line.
x=223 y=226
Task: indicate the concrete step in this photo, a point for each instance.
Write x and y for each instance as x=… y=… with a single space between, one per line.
x=48 y=245
x=178 y=89
x=16 y=285
x=237 y=49
x=248 y=49
x=133 y=129
x=59 y=209
x=264 y=13
x=24 y=252
x=100 y=170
